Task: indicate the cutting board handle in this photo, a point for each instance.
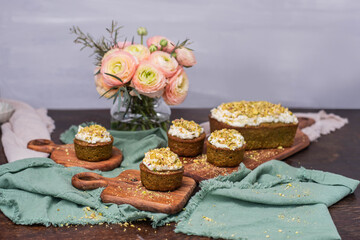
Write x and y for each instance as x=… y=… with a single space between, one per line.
x=88 y=181
x=42 y=145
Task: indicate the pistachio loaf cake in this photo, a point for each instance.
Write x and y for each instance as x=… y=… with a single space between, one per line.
x=262 y=124
x=225 y=148
x=161 y=170
x=186 y=138
x=93 y=143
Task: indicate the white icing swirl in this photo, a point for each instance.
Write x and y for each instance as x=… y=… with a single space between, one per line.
x=156 y=161
x=236 y=120
x=100 y=135
x=230 y=140
x=183 y=133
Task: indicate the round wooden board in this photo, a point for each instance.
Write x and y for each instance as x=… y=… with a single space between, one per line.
x=65 y=155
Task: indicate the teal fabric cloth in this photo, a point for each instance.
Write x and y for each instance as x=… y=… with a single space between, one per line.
x=39 y=191
x=274 y=201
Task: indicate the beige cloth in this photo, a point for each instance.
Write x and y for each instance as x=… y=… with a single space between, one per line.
x=324 y=124
x=24 y=125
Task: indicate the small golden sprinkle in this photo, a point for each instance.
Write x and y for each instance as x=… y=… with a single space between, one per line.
x=207 y=219
x=296 y=232
x=267 y=236
x=58 y=209
x=280 y=230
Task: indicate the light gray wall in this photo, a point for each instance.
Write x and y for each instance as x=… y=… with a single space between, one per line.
x=303 y=53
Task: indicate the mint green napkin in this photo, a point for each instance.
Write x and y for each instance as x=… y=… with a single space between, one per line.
x=274 y=201
x=39 y=191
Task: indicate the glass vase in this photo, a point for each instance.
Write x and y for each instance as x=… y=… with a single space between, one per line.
x=140 y=114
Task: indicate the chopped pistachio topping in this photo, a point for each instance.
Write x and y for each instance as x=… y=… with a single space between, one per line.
x=93 y=134
x=162 y=159
x=254 y=108
x=252 y=113
x=227 y=138
x=185 y=129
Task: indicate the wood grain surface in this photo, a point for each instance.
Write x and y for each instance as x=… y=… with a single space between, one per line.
x=337 y=152
x=127 y=189
x=65 y=155
x=199 y=169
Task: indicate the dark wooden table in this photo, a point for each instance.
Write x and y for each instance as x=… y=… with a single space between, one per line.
x=338 y=152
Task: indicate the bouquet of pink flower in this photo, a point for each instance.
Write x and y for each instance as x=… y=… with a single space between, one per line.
x=136 y=73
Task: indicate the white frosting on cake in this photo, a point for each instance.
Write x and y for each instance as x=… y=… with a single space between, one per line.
x=236 y=118
x=227 y=138
x=162 y=159
x=179 y=131
x=93 y=134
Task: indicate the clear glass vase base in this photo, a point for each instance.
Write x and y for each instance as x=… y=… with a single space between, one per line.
x=156 y=114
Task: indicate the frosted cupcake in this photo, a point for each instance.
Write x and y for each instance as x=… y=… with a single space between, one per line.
x=93 y=143
x=161 y=170
x=225 y=148
x=186 y=138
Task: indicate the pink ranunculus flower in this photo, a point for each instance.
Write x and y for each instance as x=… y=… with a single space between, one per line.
x=185 y=57
x=156 y=41
x=149 y=80
x=123 y=45
x=177 y=88
x=101 y=87
x=165 y=62
x=120 y=64
x=139 y=51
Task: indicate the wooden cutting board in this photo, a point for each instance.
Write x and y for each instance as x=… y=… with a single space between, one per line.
x=199 y=169
x=65 y=155
x=127 y=189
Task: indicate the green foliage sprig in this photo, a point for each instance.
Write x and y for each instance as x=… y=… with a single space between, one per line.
x=99 y=46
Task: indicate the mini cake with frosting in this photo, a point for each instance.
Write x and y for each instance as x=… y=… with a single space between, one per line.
x=161 y=170
x=225 y=148
x=93 y=143
x=186 y=138
x=263 y=124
